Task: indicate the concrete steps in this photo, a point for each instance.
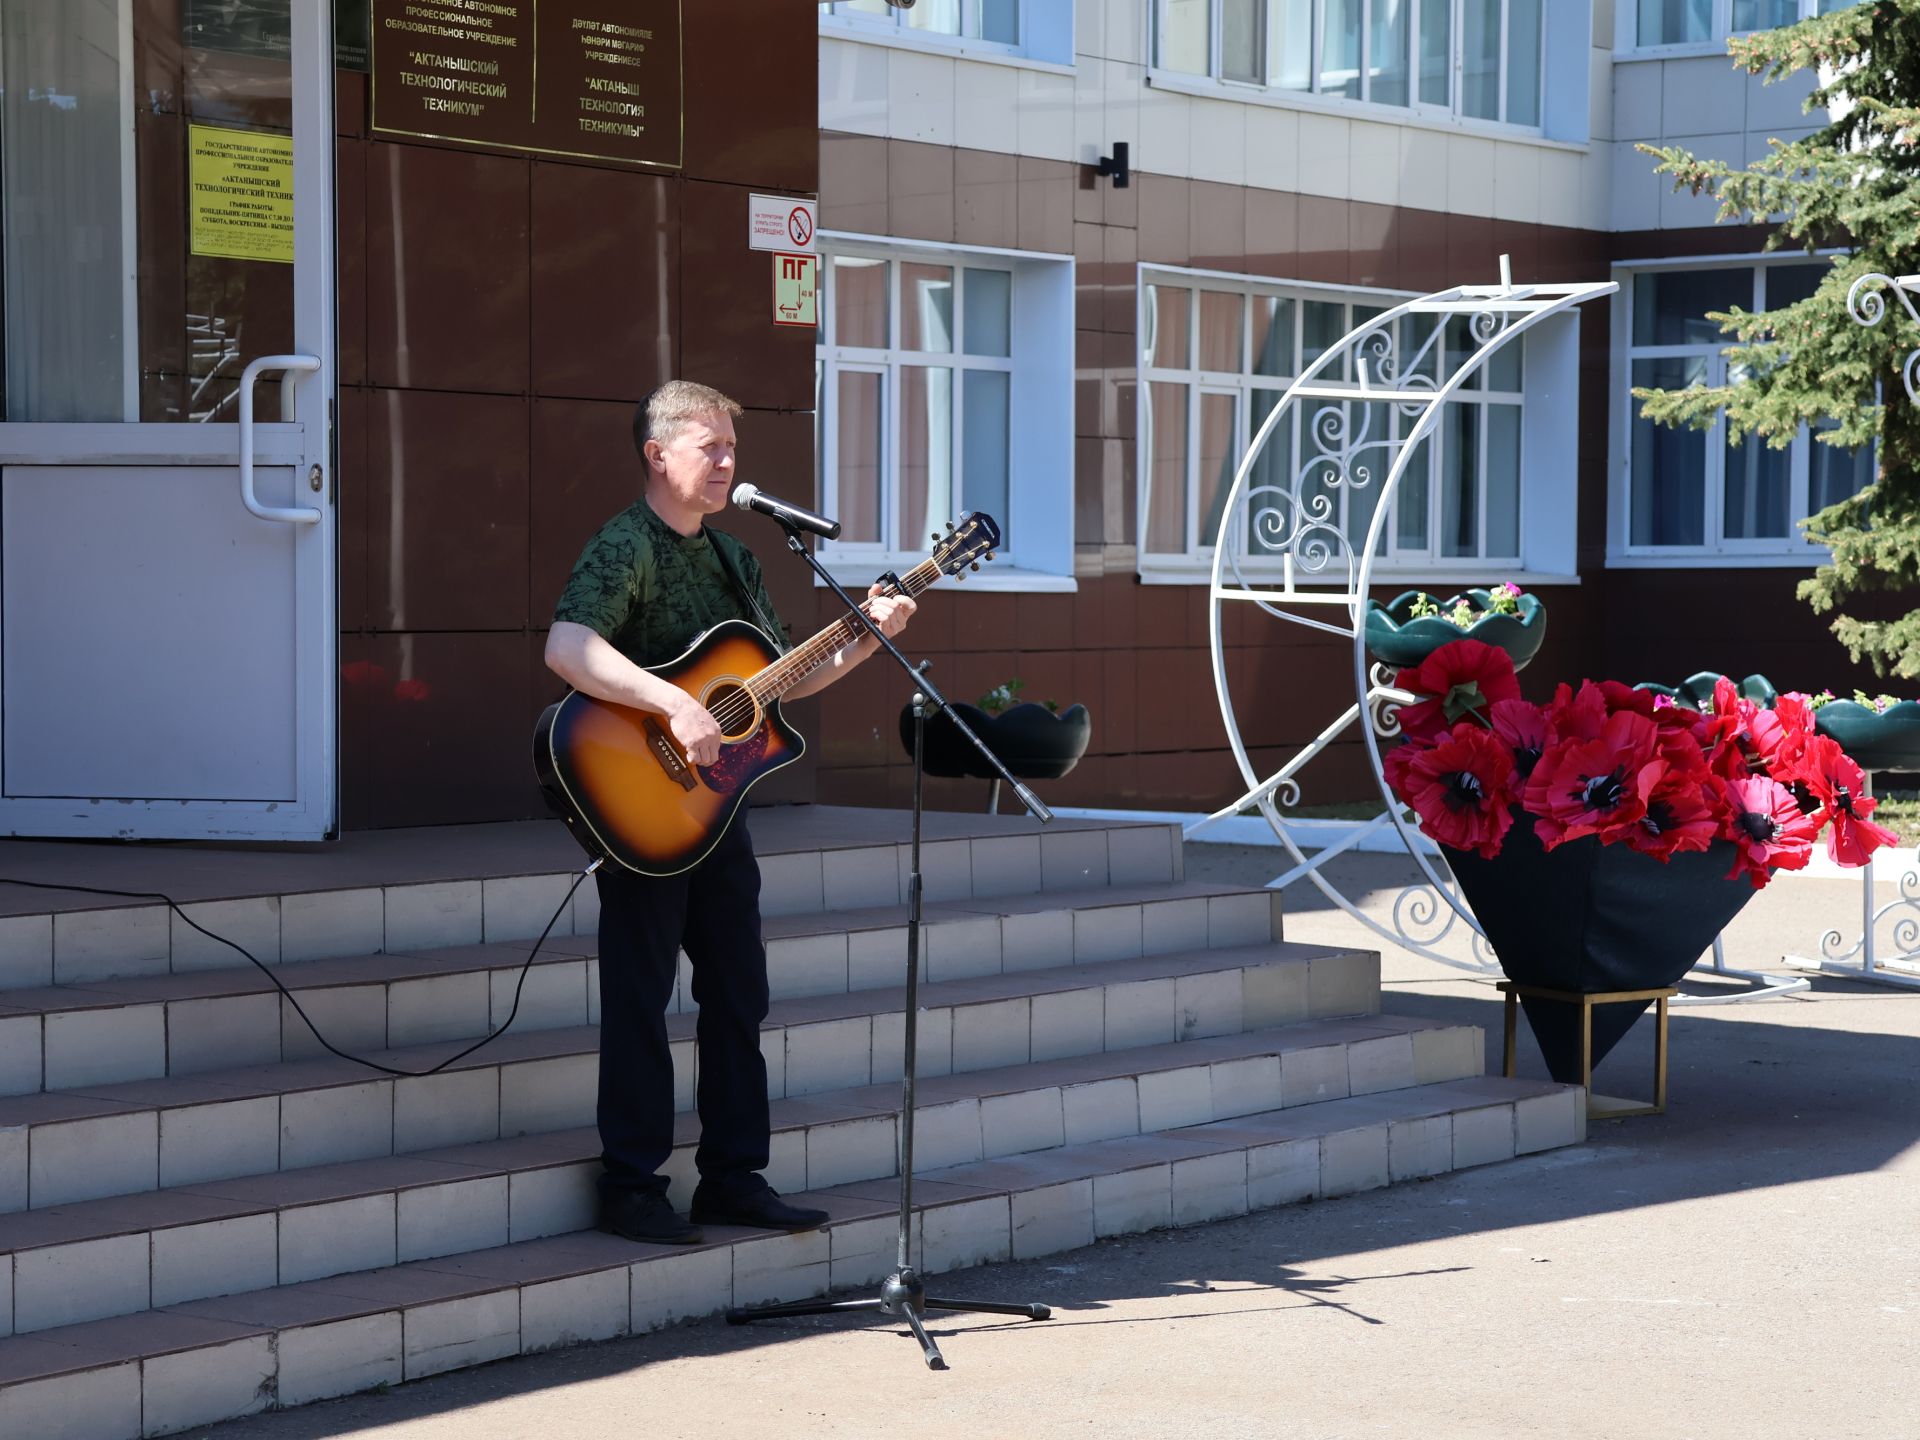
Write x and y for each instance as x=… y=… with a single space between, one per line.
x=825 y=859
x=63 y=1037
x=195 y=1362
x=122 y=1253
x=201 y=1215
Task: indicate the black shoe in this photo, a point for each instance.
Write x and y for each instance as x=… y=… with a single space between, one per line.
x=752 y=1203
x=646 y=1215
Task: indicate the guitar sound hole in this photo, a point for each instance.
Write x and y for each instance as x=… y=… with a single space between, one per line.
x=733 y=706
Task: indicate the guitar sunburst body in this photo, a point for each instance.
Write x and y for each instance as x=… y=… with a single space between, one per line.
x=624 y=783
x=628 y=782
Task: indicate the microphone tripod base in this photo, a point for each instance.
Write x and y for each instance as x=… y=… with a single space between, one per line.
x=901 y=1293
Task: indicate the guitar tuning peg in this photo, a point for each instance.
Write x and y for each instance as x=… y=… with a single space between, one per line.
x=989 y=554
x=951 y=527
x=976 y=565
x=935 y=537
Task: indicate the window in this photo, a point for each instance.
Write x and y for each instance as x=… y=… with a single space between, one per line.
x=1706 y=22
x=1697 y=492
x=996 y=21
x=1218 y=356
x=1474 y=59
x=934 y=380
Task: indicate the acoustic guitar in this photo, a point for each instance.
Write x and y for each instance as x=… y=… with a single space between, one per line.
x=624 y=785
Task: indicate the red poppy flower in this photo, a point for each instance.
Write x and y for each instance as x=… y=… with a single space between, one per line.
x=1768 y=829
x=1596 y=787
x=1624 y=697
x=1839 y=785
x=1577 y=715
x=1723 y=720
x=1780 y=736
x=1683 y=813
x=1460 y=677
x=1459 y=788
x=1524 y=729
x=412 y=690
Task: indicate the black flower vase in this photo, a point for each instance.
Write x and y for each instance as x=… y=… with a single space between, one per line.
x=1589 y=918
x=1031 y=741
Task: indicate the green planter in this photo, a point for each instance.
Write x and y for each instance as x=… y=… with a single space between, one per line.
x=1696 y=691
x=1876 y=740
x=1394 y=637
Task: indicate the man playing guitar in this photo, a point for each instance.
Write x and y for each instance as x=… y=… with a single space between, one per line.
x=652 y=579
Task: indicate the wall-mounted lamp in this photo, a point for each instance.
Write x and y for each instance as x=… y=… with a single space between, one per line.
x=1115 y=165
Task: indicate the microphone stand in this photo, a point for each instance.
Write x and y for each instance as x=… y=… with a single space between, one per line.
x=903 y=1292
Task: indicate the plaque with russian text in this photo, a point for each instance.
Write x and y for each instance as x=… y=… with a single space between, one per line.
x=589 y=79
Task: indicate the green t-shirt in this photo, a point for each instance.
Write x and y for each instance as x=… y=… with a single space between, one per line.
x=649 y=591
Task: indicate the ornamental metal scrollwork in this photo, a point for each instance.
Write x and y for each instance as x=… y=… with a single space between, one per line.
x=1367 y=408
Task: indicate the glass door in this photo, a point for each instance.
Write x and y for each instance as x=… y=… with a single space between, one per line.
x=167 y=520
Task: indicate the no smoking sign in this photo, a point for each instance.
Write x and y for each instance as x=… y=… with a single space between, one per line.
x=781 y=223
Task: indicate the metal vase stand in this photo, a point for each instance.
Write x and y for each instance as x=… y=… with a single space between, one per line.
x=1365 y=407
x=904 y=1292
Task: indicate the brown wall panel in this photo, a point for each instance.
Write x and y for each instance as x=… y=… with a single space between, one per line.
x=605 y=281
x=1046 y=205
x=853 y=183
x=451 y=714
x=986 y=195
x=447 y=487
x=447 y=269
x=1216 y=225
x=751 y=93
x=920 y=191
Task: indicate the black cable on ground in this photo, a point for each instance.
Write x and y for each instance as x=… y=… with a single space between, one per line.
x=267 y=970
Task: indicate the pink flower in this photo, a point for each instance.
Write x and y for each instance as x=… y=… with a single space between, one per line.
x=1768 y=829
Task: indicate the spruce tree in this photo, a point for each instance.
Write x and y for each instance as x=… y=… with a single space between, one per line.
x=1855 y=182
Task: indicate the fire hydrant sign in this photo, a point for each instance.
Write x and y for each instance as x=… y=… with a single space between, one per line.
x=796 y=286
x=779 y=222
x=240 y=187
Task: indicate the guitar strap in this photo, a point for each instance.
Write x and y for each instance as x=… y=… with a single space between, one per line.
x=767 y=622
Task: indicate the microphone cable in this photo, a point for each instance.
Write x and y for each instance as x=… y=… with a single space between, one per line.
x=267 y=970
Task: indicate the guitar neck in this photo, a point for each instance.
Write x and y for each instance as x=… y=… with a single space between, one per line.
x=803 y=660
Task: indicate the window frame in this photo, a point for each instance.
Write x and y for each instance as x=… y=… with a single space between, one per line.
x=1045 y=560
x=1451 y=114
x=893 y=29
x=1628 y=25
x=1194 y=563
x=1715 y=550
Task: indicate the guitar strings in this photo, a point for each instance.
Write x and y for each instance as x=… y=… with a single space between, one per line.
x=790 y=669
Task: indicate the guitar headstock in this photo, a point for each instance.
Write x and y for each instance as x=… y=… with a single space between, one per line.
x=967 y=542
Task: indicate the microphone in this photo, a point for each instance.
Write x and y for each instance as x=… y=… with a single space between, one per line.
x=751 y=497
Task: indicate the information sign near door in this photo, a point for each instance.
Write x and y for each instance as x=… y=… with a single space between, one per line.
x=796 y=289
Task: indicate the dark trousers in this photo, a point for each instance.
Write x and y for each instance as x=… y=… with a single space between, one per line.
x=713 y=913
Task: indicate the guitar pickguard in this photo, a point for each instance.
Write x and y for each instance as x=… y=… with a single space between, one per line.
x=738 y=763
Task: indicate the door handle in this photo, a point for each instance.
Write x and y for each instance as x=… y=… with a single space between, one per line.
x=294 y=515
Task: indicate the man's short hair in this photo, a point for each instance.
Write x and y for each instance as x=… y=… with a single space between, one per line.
x=663 y=413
